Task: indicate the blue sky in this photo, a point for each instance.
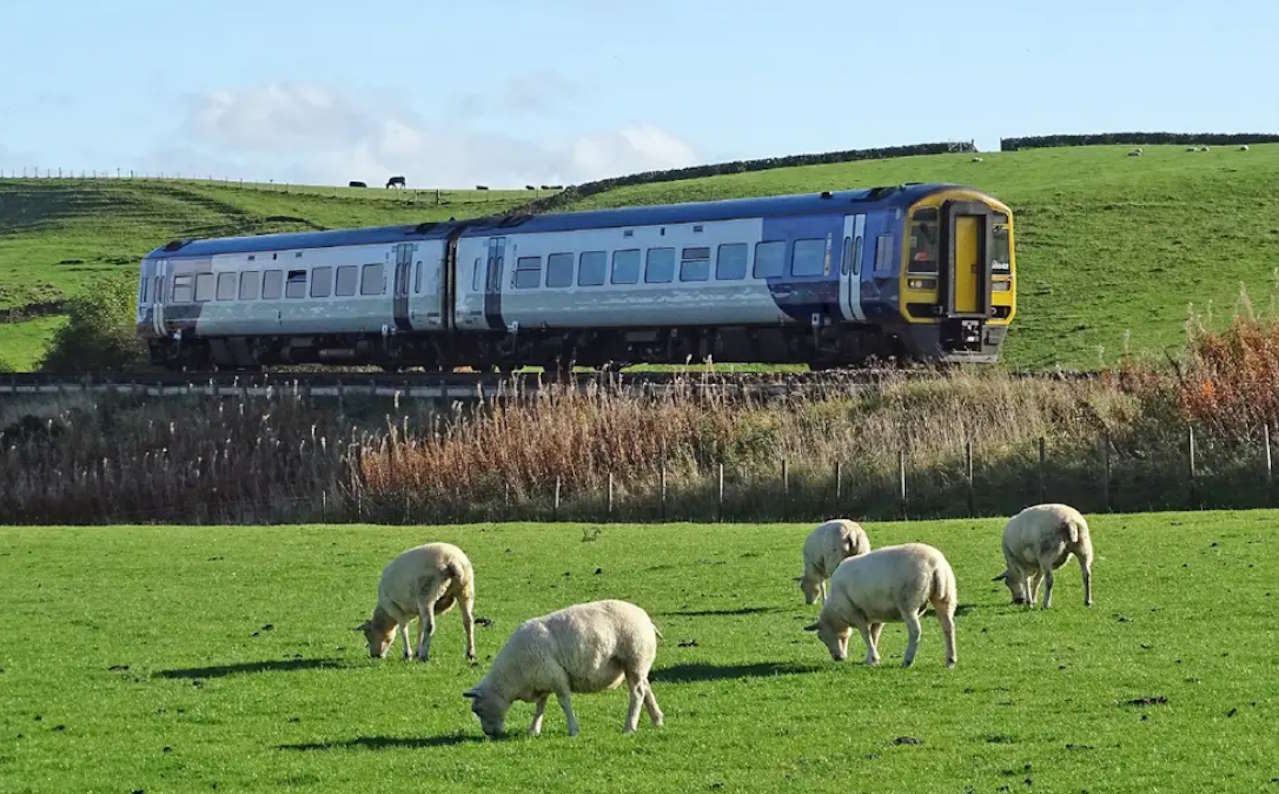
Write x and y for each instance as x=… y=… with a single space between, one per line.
x=506 y=93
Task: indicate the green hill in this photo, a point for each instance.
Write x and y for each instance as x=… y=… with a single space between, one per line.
x=1108 y=246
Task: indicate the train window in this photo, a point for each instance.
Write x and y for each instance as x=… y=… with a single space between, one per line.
x=695 y=264
x=371 y=280
x=626 y=266
x=183 y=288
x=884 y=253
x=730 y=262
x=295 y=284
x=770 y=259
x=417 y=279
x=1001 y=256
x=528 y=272
x=590 y=268
x=559 y=270
x=203 y=287
x=272 y=282
x=227 y=286
x=924 y=230
x=142 y=291
x=249 y=285
x=348 y=280
x=321 y=282
x=477 y=275
x=857 y=252
x=808 y=257
x=660 y=266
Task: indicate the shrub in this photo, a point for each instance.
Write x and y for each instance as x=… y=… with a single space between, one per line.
x=100 y=334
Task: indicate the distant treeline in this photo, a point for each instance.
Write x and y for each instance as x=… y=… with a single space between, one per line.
x=1135 y=138
x=585 y=189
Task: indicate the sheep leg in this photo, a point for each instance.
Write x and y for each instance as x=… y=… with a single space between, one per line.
x=636 y=685
x=946 y=616
x=408 y=645
x=875 y=628
x=911 y=618
x=425 y=628
x=562 y=696
x=821 y=592
x=538 y=711
x=468 y=627
x=1032 y=588
x=650 y=704
x=1086 y=567
x=1048 y=587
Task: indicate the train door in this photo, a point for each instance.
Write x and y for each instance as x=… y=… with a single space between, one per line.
x=403 y=269
x=968 y=228
x=158 y=284
x=850 y=288
x=493 y=283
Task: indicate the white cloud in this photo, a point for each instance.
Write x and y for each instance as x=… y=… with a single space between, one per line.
x=312 y=133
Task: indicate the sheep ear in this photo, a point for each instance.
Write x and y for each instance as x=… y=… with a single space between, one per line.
x=1002 y=577
x=811 y=627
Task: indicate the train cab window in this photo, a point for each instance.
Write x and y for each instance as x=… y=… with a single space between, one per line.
x=321 y=282
x=417 y=279
x=371 y=280
x=559 y=270
x=348 y=280
x=730 y=262
x=227 y=283
x=626 y=265
x=183 y=288
x=695 y=264
x=203 y=287
x=590 y=268
x=249 y=285
x=1001 y=257
x=272 y=282
x=142 y=291
x=528 y=272
x=295 y=284
x=808 y=257
x=770 y=259
x=659 y=266
x=884 y=253
x=924 y=231
x=477 y=275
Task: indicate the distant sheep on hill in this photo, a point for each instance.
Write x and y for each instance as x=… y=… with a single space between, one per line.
x=1135 y=152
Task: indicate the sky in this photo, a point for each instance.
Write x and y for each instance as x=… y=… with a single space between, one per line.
x=515 y=93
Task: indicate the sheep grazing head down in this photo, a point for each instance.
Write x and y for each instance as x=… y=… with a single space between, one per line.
x=379 y=639
x=812 y=588
x=835 y=640
x=490 y=709
x=1016 y=585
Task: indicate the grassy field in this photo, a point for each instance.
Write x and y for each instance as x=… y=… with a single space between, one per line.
x=1111 y=249
x=173 y=658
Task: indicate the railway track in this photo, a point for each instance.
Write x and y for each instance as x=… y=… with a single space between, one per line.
x=462 y=386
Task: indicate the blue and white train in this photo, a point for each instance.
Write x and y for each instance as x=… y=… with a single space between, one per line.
x=915 y=271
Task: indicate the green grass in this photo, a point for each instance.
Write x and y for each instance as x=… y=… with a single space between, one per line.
x=25 y=342
x=141 y=658
x=1111 y=249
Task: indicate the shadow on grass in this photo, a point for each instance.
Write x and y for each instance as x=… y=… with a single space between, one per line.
x=265 y=666
x=702 y=613
x=386 y=743
x=700 y=671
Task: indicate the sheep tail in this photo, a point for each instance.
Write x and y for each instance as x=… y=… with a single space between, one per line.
x=454 y=571
x=1071 y=530
x=943 y=585
x=656 y=630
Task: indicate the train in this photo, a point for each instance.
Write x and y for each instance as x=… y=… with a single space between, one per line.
x=910 y=272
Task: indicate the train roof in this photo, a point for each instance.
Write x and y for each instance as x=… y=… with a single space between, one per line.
x=693 y=212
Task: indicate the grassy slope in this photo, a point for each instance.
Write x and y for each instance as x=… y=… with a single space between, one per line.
x=1107 y=244
x=1184 y=610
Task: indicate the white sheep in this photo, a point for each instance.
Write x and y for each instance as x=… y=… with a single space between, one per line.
x=1192 y=148
x=977 y=160
x=824 y=549
x=1135 y=152
x=1037 y=541
x=421 y=582
x=583 y=648
x=1243 y=148
x=889 y=584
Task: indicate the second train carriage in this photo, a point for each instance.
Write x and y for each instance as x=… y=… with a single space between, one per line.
x=909 y=272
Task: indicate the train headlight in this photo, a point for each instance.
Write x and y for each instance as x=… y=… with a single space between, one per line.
x=921 y=283
x=1001 y=285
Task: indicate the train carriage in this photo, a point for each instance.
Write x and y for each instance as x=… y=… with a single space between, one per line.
x=907 y=272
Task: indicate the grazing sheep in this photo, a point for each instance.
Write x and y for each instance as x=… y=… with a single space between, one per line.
x=1135 y=152
x=1243 y=148
x=1204 y=149
x=1192 y=148
x=977 y=160
x=889 y=584
x=583 y=648
x=421 y=582
x=824 y=549
x=1036 y=542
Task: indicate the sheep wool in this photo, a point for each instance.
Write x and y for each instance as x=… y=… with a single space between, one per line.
x=421 y=582
x=824 y=549
x=1037 y=541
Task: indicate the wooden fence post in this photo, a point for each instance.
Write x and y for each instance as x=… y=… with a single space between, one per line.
x=1043 y=476
x=785 y=489
x=662 y=488
x=1105 y=453
x=555 y=505
x=839 y=482
x=1190 y=447
x=901 y=476
x=968 y=455
x=610 y=496
x=719 y=501
x=1265 y=434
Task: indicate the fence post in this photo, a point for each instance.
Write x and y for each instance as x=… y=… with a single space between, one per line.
x=968 y=455
x=610 y=496
x=1190 y=437
x=555 y=505
x=662 y=489
x=1043 y=477
x=785 y=489
x=839 y=482
x=1265 y=434
x=719 y=502
x=1105 y=452
x=901 y=476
